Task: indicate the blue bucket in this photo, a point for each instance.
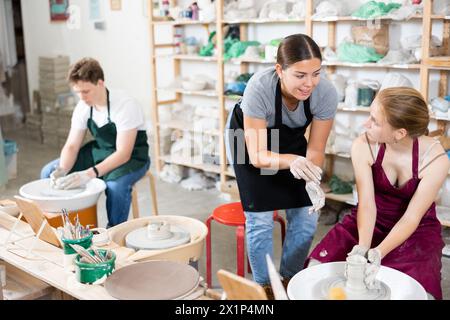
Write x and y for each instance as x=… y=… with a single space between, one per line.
x=10 y=147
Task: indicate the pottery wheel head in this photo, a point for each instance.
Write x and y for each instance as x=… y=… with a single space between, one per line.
x=323 y=288
x=157 y=236
x=327 y=281
x=49 y=191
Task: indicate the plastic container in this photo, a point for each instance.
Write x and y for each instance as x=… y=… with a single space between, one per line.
x=193 y=84
x=10 y=151
x=101 y=237
x=10 y=147
x=89 y=273
x=365 y=96
x=85 y=242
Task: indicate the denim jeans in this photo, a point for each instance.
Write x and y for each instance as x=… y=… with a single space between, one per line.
x=301 y=227
x=118 y=192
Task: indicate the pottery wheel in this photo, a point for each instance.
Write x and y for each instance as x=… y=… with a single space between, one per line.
x=139 y=240
x=314 y=283
x=322 y=288
x=48 y=191
x=153 y=280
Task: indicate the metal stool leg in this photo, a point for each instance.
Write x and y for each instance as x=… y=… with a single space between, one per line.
x=240 y=254
x=249 y=267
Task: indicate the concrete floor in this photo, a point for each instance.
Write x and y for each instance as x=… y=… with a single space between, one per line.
x=173 y=200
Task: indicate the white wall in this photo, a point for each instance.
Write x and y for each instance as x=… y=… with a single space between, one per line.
x=122 y=48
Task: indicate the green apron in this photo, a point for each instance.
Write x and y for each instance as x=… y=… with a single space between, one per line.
x=104 y=144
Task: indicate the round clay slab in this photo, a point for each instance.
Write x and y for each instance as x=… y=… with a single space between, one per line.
x=51 y=192
x=153 y=280
x=139 y=240
x=322 y=289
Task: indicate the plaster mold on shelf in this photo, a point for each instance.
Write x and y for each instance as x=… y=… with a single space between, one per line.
x=241 y=9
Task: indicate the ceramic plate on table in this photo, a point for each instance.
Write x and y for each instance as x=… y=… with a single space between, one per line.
x=153 y=280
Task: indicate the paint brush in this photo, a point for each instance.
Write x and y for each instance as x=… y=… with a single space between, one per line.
x=85 y=253
x=67 y=225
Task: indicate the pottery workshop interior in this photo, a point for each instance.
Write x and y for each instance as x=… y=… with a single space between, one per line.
x=224 y=150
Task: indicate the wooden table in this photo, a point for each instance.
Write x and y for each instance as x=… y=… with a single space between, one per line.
x=49 y=272
x=55 y=275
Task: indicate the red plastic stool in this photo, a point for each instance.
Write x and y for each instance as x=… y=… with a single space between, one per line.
x=232 y=214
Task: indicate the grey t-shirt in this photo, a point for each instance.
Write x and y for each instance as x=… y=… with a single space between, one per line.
x=259 y=100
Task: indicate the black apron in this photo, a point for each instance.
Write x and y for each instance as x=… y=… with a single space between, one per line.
x=104 y=145
x=279 y=190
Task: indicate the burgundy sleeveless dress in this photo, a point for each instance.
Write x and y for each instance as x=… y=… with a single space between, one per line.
x=419 y=256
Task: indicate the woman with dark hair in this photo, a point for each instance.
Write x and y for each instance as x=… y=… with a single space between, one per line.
x=395 y=222
x=272 y=159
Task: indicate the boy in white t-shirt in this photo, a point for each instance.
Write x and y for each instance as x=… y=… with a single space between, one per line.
x=119 y=152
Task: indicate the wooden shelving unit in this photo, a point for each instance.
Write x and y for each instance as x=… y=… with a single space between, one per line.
x=184 y=125
x=225 y=172
x=427 y=64
x=371 y=65
x=192 y=163
x=415 y=17
x=226 y=175
x=347 y=198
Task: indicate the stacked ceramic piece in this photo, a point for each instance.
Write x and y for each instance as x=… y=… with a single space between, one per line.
x=64 y=122
x=53 y=80
x=52 y=85
x=50 y=128
x=34 y=127
x=56 y=124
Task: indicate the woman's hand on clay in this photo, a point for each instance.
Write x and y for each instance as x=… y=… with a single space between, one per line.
x=56 y=174
x=358 y=250
x=372 y=268
x=302 y=168
x=74 y=180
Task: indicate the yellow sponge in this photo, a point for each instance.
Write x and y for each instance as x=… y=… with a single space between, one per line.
x=337 y=293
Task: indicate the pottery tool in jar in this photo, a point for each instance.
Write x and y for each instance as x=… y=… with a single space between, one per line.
x=87 y=257
x=70 y=231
